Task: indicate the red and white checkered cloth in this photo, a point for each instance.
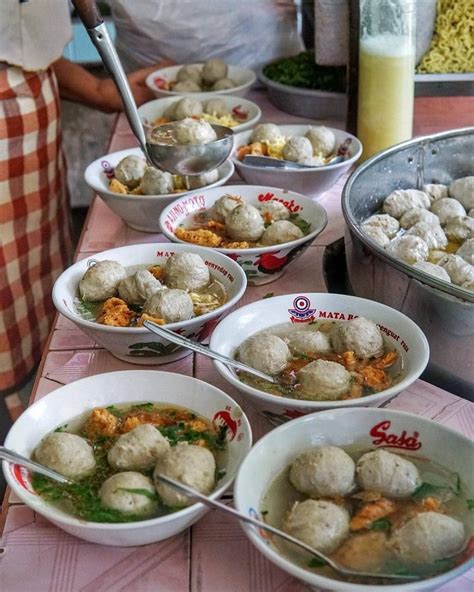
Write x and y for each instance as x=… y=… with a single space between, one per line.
x=35 y=240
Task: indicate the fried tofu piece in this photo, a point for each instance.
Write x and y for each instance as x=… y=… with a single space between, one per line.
x=116 y=187
x=146 y=317
x=202 y=237
x=101 y=423
x=157 y=271
x=115 y=313
x=371 y=512
x=214 y=224
x=363 y=552
x=236 y=245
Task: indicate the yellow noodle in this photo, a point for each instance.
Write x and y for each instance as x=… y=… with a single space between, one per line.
x=452 y=46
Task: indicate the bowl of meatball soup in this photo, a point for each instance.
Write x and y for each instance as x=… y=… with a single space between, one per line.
x=377 y=490
x=262 y=228
x=116 y=433
x=185 y=287
x=323 y=351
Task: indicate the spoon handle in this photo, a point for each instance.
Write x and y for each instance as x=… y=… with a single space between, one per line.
x=202 y=349
x=13 y=457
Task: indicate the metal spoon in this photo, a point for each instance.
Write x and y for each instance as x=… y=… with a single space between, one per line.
x=14 y=458
x=277 y=163
x=178 y=159
x=342 y=569
x=202 y=349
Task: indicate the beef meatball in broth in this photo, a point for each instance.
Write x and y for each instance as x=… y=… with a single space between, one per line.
x=68 y=454
x=360 y=336
x=388 y=474
x=138 y=287
x=387 y=224
x=463 y=190
x=265 y=352
x=447 y=208
x=428 y=537
x=466 y=251
x=402 y=200
x=244 y=223
x=297 y=149
x=266 y=132
x=325 y=471
x=409 y=248
x=130 y=170
x=156 y=182
x=432 y=234
x=187 y=271
x=186 y=86
x=224 y=206
x=460 y=229
x=308 y=342
x=216 y=107
x=272 y=211
x=377 y=235
x=138 y=449
x=433 y=269
x=170 y=305
x=435 y=191
x=324 y=380
x=192 y=465
x=415 y=215
x=190 y=72
x=188 y=107
x=117 y=493
x=281 y=231
x=101 y=280
x=189 y=131
x=322 y=140
x=224 y=84
x=320 y=524
x=213 y=70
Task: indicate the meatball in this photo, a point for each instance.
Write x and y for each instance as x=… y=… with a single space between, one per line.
x=204 y=179
x=433 y=269
x=187 y=271
x=224 y=84
x=101 y=280
x=138 y=287
x=264 y=352
x=360 y=336
x=156 y=182
x=415 y=215
x=463 y=191
x=409 y=248
x=322 y=525
x=187 y=86
x=308 y=342
x=190 y=72
x=297 y=149
x=169 y=112
x=190 y=131
x=274 y=210
x=459 y=229
x=447 y=208
x=402 y=200
x=138 y=449
x=281 y=231
x=244 y=223
x=266 y=132
x=459 y=270
x=435 y=191
x=216 y=107
x=121 y=492
x=466 y=251
x=387 y=224
x=68 y=454
x=322 y=140
x=213 y=70
x=388 y=474
x=170 y=305
x=432 y=234
x=223 y=206
x=192 y=465
x=325 y=471
x=427 y=537
x=130 y=170
x=323 y=380
x=188 y=107
x=469 y=285
x=377 y=235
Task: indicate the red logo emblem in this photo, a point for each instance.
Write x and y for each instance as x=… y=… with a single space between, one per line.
x=381 y=437
x=223 y=418
x=302 y=311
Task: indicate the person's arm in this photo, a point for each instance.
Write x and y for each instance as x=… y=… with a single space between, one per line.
x=78 y=84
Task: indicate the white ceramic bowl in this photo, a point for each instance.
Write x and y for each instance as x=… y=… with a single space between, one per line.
x=136 y=344
x=311 y=182
x=140 y=212
x=152 y=110
x=101 y=390
x=262 y=264
x=400 y=332
x=243 y=77
x=344 y=427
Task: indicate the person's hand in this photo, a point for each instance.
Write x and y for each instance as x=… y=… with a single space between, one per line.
x=136 y=79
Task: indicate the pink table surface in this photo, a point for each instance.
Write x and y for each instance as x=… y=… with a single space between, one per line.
x=214 y=555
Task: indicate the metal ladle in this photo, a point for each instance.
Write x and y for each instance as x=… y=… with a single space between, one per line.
x=178 y=159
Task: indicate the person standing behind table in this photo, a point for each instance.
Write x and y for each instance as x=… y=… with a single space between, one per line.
x=245 y=33
x=35 y=241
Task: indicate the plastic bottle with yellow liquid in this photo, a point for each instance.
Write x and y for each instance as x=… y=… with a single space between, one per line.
x=386 y=73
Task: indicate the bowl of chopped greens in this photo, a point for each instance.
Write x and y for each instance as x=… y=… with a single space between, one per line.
x=299 y=86
x=111 y=434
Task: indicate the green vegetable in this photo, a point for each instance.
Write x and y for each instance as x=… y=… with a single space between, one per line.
x=219 y=474
x=470 y=504
x=180 y=432
x=381 y=524
x=143 y=407
x=268 y=295
x=114 y=410
x=317 y=562
x=443 y=492
x=302 y=224
x=302 y=71
x=88 y=310
x=149 y=494
x=444 y=564
x=62 y=428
